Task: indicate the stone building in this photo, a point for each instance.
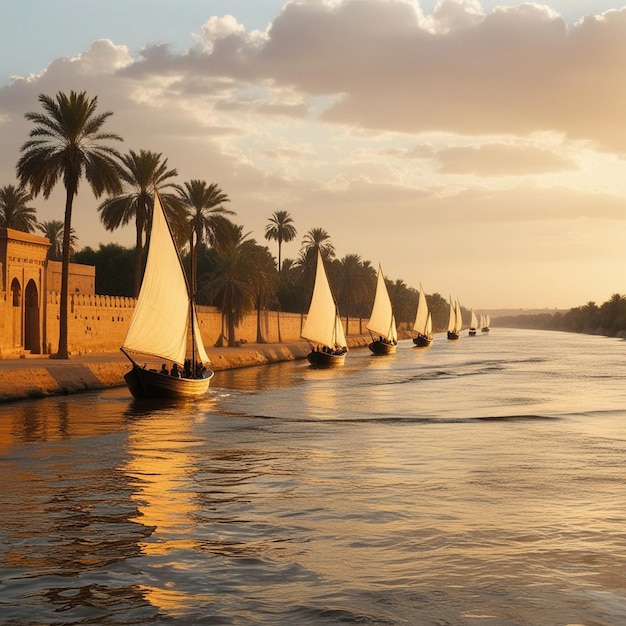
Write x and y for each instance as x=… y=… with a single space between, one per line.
x=26 y=279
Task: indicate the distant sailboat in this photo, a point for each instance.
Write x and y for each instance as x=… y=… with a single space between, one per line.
x=455 y=321
x=323 y=328
x=473 y=324
x=423 y=325
x=382 y=323
x=164 y=324
x=485 y=324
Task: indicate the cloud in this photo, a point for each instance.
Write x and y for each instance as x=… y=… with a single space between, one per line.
x=502 y=159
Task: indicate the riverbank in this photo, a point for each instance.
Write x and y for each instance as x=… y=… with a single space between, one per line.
x=41 y=376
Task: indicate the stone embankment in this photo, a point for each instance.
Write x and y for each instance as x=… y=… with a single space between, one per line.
x=37 y=377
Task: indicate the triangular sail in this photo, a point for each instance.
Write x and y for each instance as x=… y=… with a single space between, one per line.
x=422 y=315
x=382 y=321
x=160 y=323
x=322 y=325
x=474 y=320
x=458 y=318
x=452 y=318
x=429 y=325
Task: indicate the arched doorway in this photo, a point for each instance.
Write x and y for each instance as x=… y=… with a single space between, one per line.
x=16 y=310
x=32 y=340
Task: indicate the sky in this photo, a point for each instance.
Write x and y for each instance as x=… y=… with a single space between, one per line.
x=474 y=146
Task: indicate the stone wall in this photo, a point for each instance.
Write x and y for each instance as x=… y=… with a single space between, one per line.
x=99 y=323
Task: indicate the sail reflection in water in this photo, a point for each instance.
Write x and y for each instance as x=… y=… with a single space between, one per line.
x=479 y=481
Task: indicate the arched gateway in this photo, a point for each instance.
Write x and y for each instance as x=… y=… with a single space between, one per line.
x=22 y=281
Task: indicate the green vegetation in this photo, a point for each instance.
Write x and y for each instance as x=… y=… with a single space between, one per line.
x=607 y=319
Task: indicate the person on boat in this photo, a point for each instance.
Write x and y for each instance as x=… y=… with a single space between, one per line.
x=164 y=369
x=175 y=372
x=187 y=369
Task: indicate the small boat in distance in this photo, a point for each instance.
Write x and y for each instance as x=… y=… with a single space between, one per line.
x=164 y=325
x=485 y=324
x=473 y=324
x=455 y=321
x=323 y=328
x=382 y=323
x=423 y=324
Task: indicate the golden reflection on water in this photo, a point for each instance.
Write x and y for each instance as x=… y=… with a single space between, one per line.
x=54 y=419
x=160 y=465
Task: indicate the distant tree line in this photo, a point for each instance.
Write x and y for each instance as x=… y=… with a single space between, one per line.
x=607 y=319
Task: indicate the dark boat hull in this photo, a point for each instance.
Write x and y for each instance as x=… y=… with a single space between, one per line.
x=318 y=358
x=422 y=341
x=484 y=330
x=144 y=383
x=452 y=336
x=472 y=332
x=381 y=347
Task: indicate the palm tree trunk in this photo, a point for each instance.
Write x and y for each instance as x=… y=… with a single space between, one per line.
x=231 y=330
x=62 y=352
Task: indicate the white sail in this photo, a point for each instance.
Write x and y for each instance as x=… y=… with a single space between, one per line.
x=487 y=320
x=452 y=318
x=323 y=325
x=458 y=318
x=160 y=323
x=382 y=321
x=422 y=315
x=474 y=320
x=429 y=325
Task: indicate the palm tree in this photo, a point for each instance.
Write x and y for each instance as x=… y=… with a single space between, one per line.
x=53 y=231
x=14 y=210
x=280 y=228
x=265 y=280
x=230 y=285
x=350 y=279
x=68 y=143
x=140 y=174
x=206 y=217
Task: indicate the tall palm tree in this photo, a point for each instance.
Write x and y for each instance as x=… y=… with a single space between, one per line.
x=230 y=285
x=53 y=231
x=68 y=143
x=280 y=228
x=205 y=216
x=265 y=280
x=140 y=173
x=14 y=210
x=350 y=279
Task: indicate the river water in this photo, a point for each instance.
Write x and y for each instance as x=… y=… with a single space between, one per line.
x=477 y=482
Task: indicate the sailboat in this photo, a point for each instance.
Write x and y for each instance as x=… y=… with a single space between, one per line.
x=164 y=325
x=382 y=323
x=473 y=324
x=485 y=324
x=455 y=321
x=322 y=327
x=423 y=325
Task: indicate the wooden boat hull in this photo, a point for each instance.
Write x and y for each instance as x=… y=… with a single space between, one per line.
x=484 y=330
x=472 y=332
x=422 y=341
x=144 y=383
x=317 y=358
x=381 y=347
x=452 y=336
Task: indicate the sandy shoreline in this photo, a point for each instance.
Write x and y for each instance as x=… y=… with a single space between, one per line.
x=37 y=377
